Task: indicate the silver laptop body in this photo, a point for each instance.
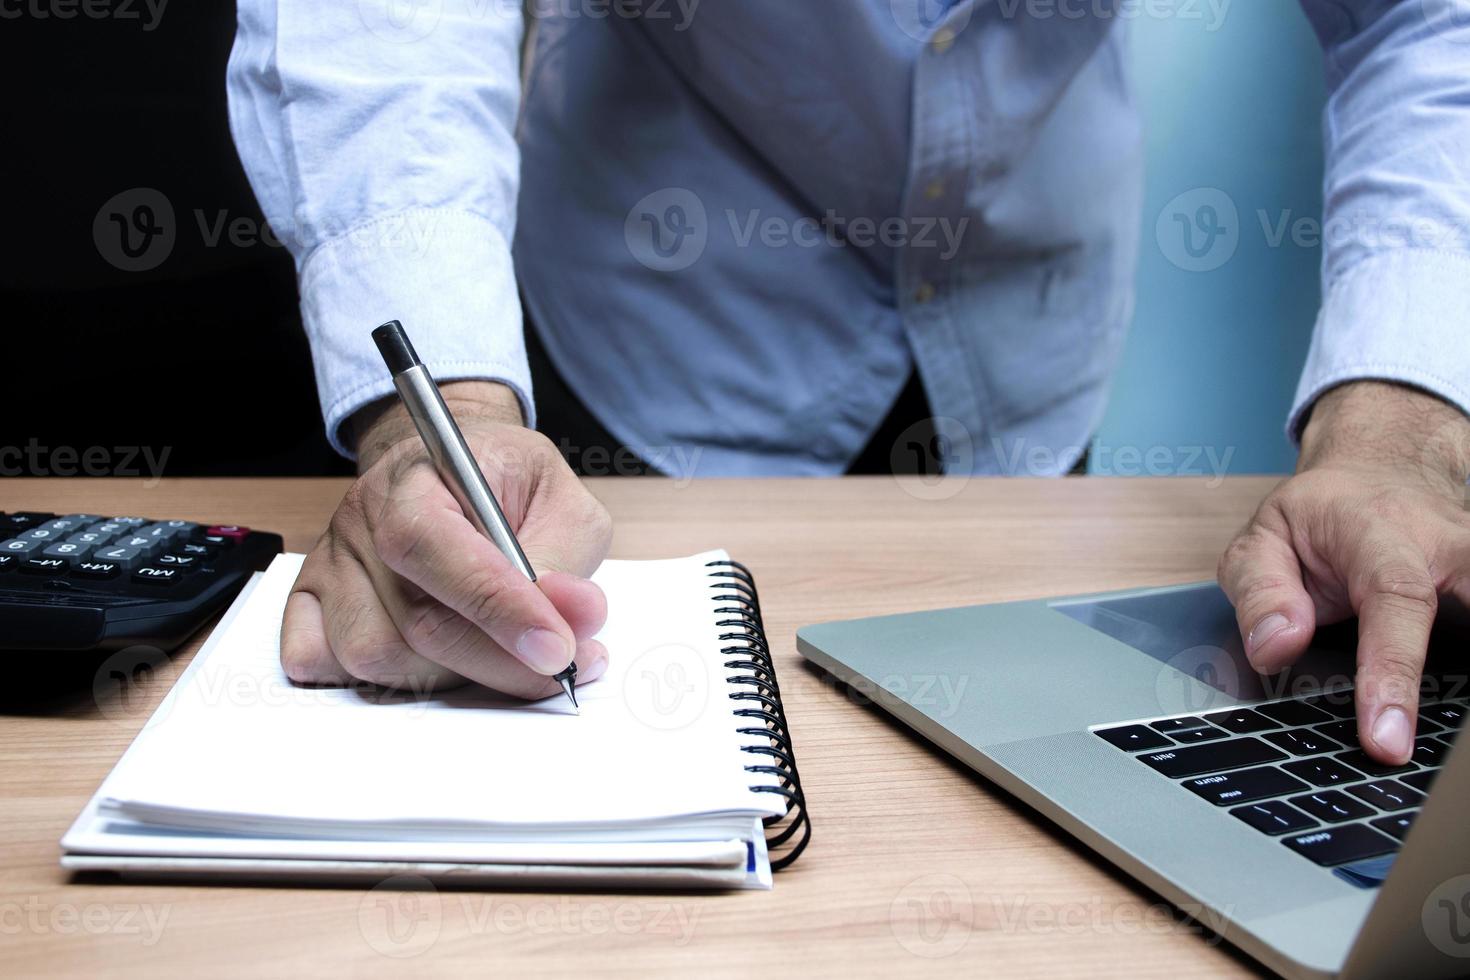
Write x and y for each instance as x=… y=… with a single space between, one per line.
x=1018 y=692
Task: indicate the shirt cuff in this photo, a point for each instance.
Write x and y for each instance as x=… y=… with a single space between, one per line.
x=1399 y=316
x=446 y=275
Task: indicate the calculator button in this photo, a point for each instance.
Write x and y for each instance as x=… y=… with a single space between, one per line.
x=184 y=562
x=45 y=566
x=88 y=538
x=69 y=550
x=40 y=534
x=155 y=531
x=216 y=540
x=124 y=557
x=109 y=528
x=8 y=561
x=23 y=520
x=232 y=531
x=181 y=527
x=153 y=575
x=144 y=546
x=205 y=551
x=64 y=526
x=20 y=546
x=130 y=521
x=96 y=569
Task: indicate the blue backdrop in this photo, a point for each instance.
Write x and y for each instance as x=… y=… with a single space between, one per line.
x=1228 y=280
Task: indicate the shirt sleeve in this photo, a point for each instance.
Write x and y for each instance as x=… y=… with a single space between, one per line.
x=379 y=139
x=1396 y=220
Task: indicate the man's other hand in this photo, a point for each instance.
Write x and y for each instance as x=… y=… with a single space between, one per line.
x=1373 y=525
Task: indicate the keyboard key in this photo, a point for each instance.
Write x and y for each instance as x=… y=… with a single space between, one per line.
x=96 y=569
x=1345 y=732
x=1397 y=825
x=1426 y=726
x=45 y=566
x=1447 y=713
x=1274 y=817
x=1359 y=759
x=1430 y=752
x=1171 y=725
x=1196 y=760
x=1132 y=737
x=1332 y=806
x=1448 y=735
x=1293 y=713
x=1198 y=735
x=126 y=558
x=1244 y=786
x=20 y=546
x=1321 y=771
x=1339 y=845
x=1302 y=741
x=1241 y=721
x=1421 y=780
x=1339 y=704
x=153 y=575
x=1388 y=794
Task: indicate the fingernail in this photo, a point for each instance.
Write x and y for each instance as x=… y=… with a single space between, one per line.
x=1391 y=733
x=543 y=651
x=1269 y=627
x=595 y=669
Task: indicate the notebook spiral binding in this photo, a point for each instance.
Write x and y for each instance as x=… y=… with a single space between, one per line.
x=758 y=698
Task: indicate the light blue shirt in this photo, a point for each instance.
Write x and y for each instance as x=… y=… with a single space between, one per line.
x=740 y=225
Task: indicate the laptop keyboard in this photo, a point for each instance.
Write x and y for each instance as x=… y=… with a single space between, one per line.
x=1293 y=770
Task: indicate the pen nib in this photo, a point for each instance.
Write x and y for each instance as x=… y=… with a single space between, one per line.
x=567 y=680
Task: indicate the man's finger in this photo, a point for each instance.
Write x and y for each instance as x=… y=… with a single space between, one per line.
x=1396 y=601
x=366 y=642
x=1263 y=578
x=306 y=656
x=424 y=537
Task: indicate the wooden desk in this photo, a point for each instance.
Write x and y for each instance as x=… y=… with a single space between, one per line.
x=915 y=865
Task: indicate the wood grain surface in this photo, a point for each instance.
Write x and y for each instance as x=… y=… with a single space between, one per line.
x=916 y=867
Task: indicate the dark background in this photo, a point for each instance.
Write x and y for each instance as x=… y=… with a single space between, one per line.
x=195 y=347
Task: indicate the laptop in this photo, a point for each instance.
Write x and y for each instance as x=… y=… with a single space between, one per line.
x=1134 y=721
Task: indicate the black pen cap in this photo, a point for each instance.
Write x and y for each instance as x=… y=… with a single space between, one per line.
x=393 y=344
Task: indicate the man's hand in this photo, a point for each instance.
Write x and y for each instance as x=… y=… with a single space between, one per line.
x=1374 y=525
x=402 y=590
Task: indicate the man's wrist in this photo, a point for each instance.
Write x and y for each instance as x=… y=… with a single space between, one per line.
x=1380 y=424
x=376 y=428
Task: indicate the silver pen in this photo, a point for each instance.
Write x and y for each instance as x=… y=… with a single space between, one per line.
x=453 y=459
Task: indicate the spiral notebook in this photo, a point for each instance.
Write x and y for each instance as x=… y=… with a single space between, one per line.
x=678 y=772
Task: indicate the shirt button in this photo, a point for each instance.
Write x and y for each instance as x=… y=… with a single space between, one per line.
x=934 y=190
x=943 y=40
x=924 y=293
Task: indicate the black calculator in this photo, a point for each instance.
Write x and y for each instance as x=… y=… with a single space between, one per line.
x=89 y=582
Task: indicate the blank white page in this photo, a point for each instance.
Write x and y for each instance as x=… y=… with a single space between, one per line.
x=237 y=745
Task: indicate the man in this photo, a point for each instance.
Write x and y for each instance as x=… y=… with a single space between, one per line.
x=971 y=182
